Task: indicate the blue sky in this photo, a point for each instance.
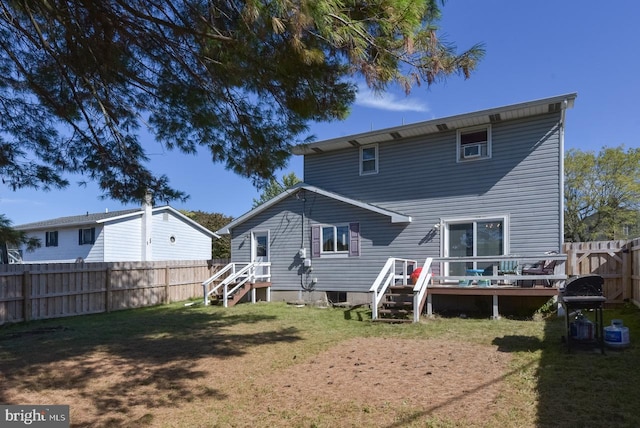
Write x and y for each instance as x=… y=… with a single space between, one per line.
x=534 y=50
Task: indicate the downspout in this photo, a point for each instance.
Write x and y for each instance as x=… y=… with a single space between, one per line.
x=563 y=112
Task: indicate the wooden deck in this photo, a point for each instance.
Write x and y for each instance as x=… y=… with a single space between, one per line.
x=493 y=290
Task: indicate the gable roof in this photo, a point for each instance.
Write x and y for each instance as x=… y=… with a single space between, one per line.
x=394 y=216
x=494 y=115
x=89 y=219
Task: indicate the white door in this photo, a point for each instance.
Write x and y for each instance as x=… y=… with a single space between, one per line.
x=260 y=252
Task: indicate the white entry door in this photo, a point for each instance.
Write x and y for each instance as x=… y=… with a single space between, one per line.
x=260 y=252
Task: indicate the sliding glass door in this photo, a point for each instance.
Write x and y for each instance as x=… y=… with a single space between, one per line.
x=473 y=238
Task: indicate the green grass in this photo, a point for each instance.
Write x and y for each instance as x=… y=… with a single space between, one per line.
x=547 y=386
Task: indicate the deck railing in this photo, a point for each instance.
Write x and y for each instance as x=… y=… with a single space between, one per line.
x=485 y=270
x=233 y=276
x=442 y=266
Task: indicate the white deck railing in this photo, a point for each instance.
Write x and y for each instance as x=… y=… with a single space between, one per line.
x=396 y=271
x=238 y=274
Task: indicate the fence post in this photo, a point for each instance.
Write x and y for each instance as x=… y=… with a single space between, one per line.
x=26 y=296
x=167 y=279
x=107 y=293
x=627 y=282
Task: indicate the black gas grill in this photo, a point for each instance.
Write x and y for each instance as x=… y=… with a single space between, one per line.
x=584 y=292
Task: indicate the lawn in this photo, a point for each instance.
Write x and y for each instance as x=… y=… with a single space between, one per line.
x=273 y=364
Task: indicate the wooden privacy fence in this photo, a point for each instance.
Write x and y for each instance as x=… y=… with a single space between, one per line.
x=42 y=291
x=618 y=262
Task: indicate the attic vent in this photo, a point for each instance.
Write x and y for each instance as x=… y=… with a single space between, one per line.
x=442 y=127
x=554 y=108
x=354 y=143
x=396 y=135
x=493 y=118
x=317 y=150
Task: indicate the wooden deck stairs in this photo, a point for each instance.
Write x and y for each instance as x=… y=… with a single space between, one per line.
x=397 y=305
x=233 y=299
x=238 y=295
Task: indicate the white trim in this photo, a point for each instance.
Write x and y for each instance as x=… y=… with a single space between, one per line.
x=460 y=158
x=375 y=159
x=394 y=216
x=254 y=247
x=444 y=228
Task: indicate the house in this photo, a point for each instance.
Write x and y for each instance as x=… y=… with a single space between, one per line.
x=142 y=234
x=454 y=191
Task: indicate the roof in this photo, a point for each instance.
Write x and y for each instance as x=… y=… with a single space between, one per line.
x=77 y=220
x=89 y=219
x=395 y=217
x=494 y=115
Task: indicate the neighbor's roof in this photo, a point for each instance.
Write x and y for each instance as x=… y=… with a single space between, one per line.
x=494 y=115
x=105 y=217
x=394 y=216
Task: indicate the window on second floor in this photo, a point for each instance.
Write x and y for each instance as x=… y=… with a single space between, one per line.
x=51 y=239
x=474 y=144
x=369 y=160
x=87 y=236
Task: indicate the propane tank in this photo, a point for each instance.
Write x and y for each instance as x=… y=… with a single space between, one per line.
x=581 y=328
x=616 y=335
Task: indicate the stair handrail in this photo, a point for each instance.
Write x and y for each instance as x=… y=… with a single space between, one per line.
x=420 y=288
x=385 y=279
x=247 y=274
x=226 y=281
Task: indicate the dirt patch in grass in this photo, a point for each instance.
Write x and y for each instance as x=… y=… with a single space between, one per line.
x=401 y=379
x=370 y=381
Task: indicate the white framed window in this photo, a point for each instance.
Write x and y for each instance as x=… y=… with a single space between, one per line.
x=335 y=239
x=369 y=159
x=340 y=240
x=473 y=143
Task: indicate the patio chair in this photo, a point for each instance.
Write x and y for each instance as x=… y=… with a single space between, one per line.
x=543 y=267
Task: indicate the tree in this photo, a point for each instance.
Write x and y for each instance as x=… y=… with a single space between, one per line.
x=274 y=188
x=220 y=247
x=602 y=193
x=81 y=79
x=11 y=238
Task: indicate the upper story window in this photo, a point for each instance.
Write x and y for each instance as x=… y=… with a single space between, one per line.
x=474 y=144
x=87 y=236
x=369 y=160
x=51 y=239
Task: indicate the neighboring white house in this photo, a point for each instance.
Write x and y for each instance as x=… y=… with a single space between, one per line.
x=142 y=234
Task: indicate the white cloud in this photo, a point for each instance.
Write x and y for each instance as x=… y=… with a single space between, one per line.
x=388 y=101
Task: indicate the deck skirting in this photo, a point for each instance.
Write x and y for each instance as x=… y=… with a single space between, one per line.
x=494 y=291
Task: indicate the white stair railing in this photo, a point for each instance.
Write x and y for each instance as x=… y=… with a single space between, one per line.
x=238 y=275
x=388 y=277
x=420 y=288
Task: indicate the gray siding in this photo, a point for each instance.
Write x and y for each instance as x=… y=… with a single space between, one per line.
x=284 y=222
x=418 y=177
x=421 y=178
